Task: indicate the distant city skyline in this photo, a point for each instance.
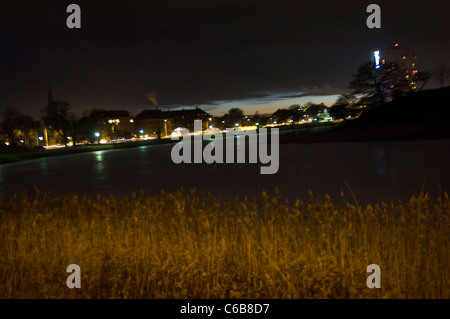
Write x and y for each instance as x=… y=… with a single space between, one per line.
x=258 y=56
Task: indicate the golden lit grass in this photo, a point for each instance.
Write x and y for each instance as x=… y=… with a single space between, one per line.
x=188 y=245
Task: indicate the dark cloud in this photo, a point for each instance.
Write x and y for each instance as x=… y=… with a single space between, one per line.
x=200 y=52
x=314 y=91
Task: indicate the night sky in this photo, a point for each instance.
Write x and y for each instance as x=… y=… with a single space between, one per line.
x=257 y=55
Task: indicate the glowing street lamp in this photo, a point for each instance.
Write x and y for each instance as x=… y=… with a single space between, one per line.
x=97 y=135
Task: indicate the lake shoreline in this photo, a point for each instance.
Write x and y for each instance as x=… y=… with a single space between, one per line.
x=321 y=134
x=12 y=157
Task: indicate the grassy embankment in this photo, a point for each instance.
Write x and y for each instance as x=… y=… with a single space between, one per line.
x=26 y=154
x=187 y=245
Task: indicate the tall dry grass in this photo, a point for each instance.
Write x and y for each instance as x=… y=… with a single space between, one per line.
x=189 y=245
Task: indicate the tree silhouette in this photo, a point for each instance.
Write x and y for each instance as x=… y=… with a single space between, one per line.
x=442 y=74
x=373 y=84
x=339 y=109
x=13 y=121
x=422 y=77
x=58 y=116
x=233 y=116
x=314 y=109
x=256 y=118
x=281 y=115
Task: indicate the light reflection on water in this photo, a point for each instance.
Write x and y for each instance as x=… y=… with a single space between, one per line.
x=43 y=168
x=380 y=154
x=389 y=160
x=374 y=171
x=99 y=166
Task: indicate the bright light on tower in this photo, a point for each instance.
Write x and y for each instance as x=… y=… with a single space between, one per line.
x=97 y=134
x=376 y=54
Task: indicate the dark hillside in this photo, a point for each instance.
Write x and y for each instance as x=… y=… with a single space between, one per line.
x=420 y=115
x=427 y=107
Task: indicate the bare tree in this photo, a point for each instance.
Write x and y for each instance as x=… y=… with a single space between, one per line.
x=442 y=74
x=58 y=116
x=233 y=116
x=422 y=77
x=16 y=126
x=371 y=83
x=8 y=124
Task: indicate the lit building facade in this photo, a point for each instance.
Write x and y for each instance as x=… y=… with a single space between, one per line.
x=151 y=123
x=114 y=124
x=405 y=58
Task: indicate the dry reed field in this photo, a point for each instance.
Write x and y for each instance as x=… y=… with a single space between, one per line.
x=190 y=245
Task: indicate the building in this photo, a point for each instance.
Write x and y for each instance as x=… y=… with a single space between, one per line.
x=153 y=123
x=157 y=123
x=113 y=124
x=405 y=58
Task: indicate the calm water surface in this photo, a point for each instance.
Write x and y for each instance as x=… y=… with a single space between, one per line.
x=375 y=171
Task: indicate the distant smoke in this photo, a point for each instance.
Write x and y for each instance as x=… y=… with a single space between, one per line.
x=152 y=97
